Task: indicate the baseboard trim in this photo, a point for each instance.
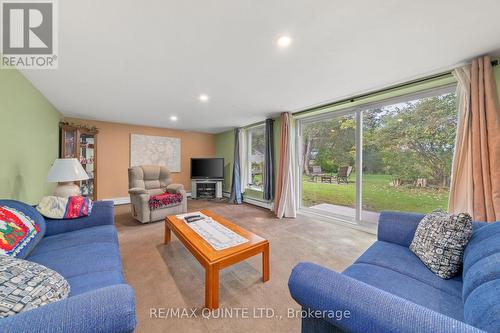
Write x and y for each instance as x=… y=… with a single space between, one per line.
x=256 y=202
x=120 y=201
x=126 y=200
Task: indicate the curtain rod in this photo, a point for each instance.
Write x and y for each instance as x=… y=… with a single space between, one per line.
x=379 y=91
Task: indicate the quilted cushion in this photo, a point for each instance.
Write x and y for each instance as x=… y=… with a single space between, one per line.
x=26 y=285
x=21 y=228
x=440 y=240
x=65 y=208
x=481 y=276
x=165 y=200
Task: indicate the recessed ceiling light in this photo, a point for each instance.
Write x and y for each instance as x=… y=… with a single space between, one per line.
x=284 y=41
x=204 y=98
x=173 y=118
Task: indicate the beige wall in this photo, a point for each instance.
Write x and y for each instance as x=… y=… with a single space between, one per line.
x=113 y=154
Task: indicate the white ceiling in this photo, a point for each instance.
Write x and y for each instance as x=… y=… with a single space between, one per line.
x=140 y=62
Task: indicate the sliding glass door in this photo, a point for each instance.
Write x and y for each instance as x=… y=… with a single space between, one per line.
x=328 y=169
x=407 y=154
x=394 y=155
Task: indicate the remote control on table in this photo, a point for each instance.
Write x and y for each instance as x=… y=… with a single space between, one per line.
x=192 y=218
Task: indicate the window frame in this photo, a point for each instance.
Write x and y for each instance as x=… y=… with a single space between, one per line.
x=248 y=168
x=357 y=111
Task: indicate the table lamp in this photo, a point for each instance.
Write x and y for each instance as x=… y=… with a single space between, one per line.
x=66 y=171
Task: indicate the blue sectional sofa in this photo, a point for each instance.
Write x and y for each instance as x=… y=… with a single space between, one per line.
x=85 y=251
x=388 y=289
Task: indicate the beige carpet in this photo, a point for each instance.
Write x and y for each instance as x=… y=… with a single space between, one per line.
x=168 y=277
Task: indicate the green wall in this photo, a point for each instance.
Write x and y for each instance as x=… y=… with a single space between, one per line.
x=29 y=138
x=224 y=147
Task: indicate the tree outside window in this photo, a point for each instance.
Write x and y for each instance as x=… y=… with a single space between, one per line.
x=256 y=151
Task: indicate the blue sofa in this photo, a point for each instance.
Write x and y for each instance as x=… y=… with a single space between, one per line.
x=388 y=289
x=85 y=251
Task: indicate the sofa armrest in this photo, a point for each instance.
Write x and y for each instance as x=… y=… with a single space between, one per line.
x=174 y=188
x=102 y=214
x=110 y=309
x=397 y=227
x=137 y=190
x=369 y=309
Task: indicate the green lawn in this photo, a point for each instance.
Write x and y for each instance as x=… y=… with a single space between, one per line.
x=378 y=195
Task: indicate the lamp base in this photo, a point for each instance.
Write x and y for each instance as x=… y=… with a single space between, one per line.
x=66 y=190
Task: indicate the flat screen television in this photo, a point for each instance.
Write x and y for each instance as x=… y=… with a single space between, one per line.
x=207 y=168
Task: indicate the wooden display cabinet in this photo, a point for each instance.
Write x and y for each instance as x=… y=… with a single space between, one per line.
x=80 y=142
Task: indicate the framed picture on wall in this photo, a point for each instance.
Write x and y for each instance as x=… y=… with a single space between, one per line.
x=155 y=150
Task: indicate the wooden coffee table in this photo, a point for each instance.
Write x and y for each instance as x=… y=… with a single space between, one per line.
x=212 y=260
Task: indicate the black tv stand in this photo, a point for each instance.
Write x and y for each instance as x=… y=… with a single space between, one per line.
x=206 y=188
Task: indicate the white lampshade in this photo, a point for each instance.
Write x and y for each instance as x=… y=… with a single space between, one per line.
x=66 y=170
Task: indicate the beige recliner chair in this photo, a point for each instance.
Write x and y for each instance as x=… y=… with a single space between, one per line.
x=147 y=180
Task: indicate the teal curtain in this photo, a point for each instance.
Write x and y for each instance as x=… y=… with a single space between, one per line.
x=236 y=196
x=269 y=162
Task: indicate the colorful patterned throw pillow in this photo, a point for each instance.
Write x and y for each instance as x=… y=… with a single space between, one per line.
x=65 y=208
x=25 y=285
x=21 y=228
x=440 y=240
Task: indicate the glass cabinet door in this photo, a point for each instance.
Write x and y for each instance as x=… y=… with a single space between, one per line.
x=69 y=143
x=87 y=159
